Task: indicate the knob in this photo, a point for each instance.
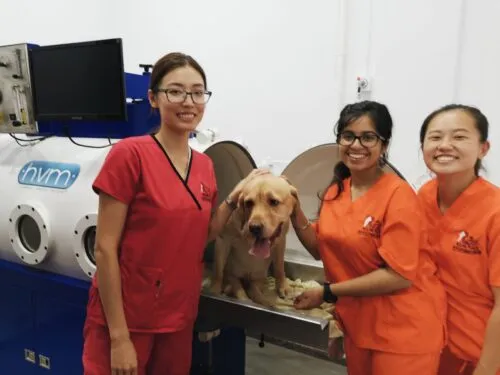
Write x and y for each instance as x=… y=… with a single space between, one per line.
x=261 y=342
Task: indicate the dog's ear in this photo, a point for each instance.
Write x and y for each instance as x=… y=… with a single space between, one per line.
x=294 y=192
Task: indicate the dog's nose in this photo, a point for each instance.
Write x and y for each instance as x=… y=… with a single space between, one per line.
x=256 y=229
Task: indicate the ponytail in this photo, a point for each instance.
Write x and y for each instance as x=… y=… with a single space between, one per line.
x=340 y=173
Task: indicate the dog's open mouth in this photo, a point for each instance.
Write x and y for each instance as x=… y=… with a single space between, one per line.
x=262 y=246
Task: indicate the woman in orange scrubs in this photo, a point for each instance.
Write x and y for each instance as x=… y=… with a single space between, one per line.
x=463 y=215
x=157 y=211
x=388 y=299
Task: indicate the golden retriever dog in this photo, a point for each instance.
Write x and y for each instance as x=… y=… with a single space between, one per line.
x=255 y=236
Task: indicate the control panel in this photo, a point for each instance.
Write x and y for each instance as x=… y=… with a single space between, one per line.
x=16 y=99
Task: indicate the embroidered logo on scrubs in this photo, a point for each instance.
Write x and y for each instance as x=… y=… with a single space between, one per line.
x=466 y=244
x=371 y=227
x=205 y=192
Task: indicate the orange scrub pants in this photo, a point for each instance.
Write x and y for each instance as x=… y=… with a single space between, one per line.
x=452 y=365
x=371 y=362
x=157 y=353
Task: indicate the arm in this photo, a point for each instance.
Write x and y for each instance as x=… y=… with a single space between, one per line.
x=110 y=222
x=375 y=283
x=306 y=232
x=489 y=362
x=220 y=218
x=116 y=185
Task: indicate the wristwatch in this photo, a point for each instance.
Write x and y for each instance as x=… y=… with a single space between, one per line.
x=232 y=205
x=328 y=296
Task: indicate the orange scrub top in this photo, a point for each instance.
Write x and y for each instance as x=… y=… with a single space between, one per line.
x=382 y=228
x=466 y=239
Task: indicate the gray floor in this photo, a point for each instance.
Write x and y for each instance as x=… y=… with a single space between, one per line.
x=275 y=360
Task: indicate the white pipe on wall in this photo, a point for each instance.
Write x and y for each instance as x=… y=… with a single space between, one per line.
x=341 y=44
x=459 y=56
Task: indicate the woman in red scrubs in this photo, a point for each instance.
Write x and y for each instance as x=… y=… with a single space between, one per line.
x=368 y=235
x=157 y=212
x=463 y=214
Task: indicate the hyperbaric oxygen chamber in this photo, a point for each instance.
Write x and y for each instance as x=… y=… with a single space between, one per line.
x=49 y=210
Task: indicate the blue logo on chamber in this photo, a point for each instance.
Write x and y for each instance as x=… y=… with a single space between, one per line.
x=48 y=174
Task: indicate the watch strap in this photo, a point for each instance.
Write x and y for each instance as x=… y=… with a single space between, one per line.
x=328 y=296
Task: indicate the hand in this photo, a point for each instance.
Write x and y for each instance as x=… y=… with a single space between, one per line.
x=235 y=194
x=309 y=299
x=123 y=357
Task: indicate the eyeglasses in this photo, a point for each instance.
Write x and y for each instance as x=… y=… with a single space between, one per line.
x=367 y=139
x=179 y=95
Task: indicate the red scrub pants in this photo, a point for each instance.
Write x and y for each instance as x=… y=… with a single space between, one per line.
x=371 y=362
x=157 y=353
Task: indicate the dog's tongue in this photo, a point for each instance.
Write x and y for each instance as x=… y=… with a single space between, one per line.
x=261 y=249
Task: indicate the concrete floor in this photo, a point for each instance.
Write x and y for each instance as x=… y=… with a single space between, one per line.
x=275 y=360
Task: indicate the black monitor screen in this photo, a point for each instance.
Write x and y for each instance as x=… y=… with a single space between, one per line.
x=79 y=81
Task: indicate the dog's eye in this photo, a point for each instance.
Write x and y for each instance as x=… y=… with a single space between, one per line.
x=248 y=203
x=274 y=202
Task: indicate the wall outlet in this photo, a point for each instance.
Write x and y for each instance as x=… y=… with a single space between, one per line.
x=364 y=84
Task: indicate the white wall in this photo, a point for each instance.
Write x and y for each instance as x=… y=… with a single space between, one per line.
x=280 y=70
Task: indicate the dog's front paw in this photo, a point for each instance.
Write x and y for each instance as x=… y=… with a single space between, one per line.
x=241 y=295
x=283 y=289
x=267 y=302
x=216 y=287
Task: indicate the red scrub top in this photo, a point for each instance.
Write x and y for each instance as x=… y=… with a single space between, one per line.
x=466 y=239
x=165 y=233
x=383 y=228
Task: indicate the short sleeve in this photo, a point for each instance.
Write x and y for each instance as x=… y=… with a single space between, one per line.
x=119 y=173
x=401 y=233
x=494 y=252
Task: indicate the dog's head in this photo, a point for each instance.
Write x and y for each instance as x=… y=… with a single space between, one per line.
x=265 y=205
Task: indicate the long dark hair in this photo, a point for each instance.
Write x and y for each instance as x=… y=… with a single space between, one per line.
x=480 y=120
x=381 y=118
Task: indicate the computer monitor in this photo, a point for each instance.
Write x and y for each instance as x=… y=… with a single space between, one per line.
x=79 y=81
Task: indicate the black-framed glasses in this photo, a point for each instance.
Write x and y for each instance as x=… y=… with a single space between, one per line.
x=366 y=139
x=179 y=95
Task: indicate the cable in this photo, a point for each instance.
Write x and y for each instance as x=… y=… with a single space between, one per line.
x=29 y=141
x=66 y=131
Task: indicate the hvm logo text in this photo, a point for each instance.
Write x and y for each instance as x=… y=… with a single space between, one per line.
x=48 y=174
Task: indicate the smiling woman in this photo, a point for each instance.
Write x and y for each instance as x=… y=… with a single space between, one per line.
x=463 y=221
x=368 y=236
x=158 y=208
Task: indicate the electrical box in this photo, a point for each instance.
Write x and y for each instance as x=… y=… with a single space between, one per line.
x=16 y=99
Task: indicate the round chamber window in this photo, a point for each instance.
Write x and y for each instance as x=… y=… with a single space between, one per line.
x=29 y=233
x=84 y=243
x=89 y=243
